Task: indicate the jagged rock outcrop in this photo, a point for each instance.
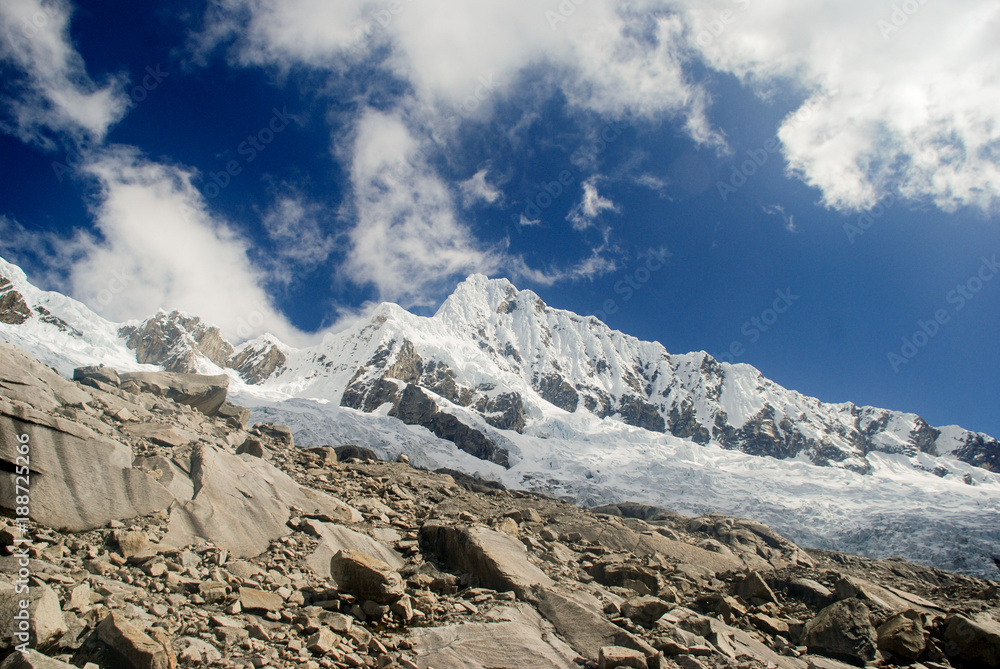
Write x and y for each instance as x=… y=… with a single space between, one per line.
x=13 y=309
x=175 y=340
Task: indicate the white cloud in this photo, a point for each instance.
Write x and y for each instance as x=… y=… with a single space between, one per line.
x=52 y=93
x=477 y=189
x=160 y=248
x=778 y=210
x=607 y=57
x=295 y=227
x=591 y=206
x=406 y=239
x=904 y=102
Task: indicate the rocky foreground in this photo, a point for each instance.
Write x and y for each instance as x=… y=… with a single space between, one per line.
x=164 y=532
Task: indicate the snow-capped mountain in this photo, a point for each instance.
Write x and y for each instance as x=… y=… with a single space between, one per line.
x=500 y=384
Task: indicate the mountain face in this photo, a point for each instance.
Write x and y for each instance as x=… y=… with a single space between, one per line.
x=546 y=399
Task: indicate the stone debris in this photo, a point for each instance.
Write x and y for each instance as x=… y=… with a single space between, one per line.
x=171 y=533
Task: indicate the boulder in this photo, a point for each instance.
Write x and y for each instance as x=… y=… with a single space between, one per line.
x=133 y=647
x=753 y=587
x=163 y=434
x=327 y=455
x=33 y=660
x=107 y=375
x=809 y=591
x=903 y=635
x=240 y=504
x=976 y=642
x=237 y=417
x=253 y=599
x=842 y=631
x=366 y=577
x=352 y=452
x=251 y=447
x=498 y=560
x=334 y=538
x=645 y=610
x=523 y=641
x=81 y=480
x=613 y=657
x=204 y=393
x=280 y=433
x=45 y=622
x=580 y=621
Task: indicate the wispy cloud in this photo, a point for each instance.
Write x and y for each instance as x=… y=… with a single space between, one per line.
x=778 y=210
x=49 y=97
x=477 y=189
x=591 y=206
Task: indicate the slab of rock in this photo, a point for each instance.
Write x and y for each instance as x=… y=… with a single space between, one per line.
x=45 y=619
x=973 y=641
x=645 y=610
x=242 y=504
x=327 y=455
x=135 y=649
x=366 y=577
x=163 y=434
x=81 y=480
x=236 y=416
x=204 y=393
x=612 y=657
x=252 y=599
x=251 y=447
x=100 y=373
x=33 y=660
x=752 y=587
x=809 y=591
x=25 y=379
x=842 y=631
x=334 y=538
x=523 y=641
x=580 y=621
x=903 y=635
x=498 y=560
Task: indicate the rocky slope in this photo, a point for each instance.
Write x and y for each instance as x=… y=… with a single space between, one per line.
x=500 y=385
x=166 y=532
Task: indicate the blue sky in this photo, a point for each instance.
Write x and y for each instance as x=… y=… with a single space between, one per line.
x=292 y=163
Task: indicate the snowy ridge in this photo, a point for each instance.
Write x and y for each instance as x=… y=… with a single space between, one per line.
x=583 y=411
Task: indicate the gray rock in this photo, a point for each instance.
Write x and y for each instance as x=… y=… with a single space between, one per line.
x=251 y=447
x=366 y=577
x=498 y=560
x=327 y=455
x=100 y=373
x=253 y=599
x=809 y=591
x=645 y=610
x=25 y=379
x=237 y=417
x=134 y=648
x=13 y=309
x=33 y=660
x=45 y=619
x=976 y=642
x=903 y=635
x=613 y=657
x=164 y=434
x=842 y=631
x=334 y=538
x=752 y=587
x=280 y=433
x=524 y=641
x=81 y=480
x=174 y=341
x=579 y=620
x=204 y=393
x=242 y=504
